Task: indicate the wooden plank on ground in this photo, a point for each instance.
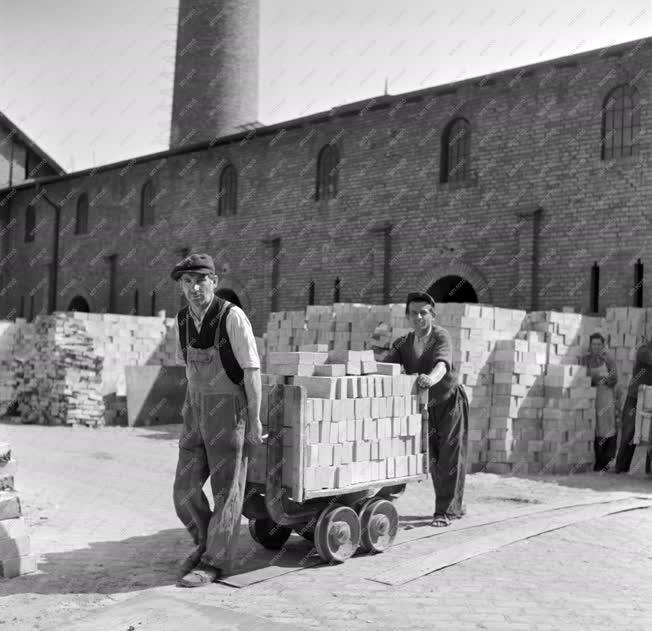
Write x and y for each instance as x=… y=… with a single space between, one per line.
x=268 y=572
x=403 y=572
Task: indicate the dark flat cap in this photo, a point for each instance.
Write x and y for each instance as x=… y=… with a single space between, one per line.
x=419 y=296
x=195 y=263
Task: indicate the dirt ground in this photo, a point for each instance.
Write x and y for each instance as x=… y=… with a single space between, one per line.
x=99 y=509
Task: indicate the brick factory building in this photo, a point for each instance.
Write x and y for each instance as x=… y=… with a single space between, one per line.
x=527 y=188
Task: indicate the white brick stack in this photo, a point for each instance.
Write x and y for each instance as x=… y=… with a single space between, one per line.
x=568 y=419
x=15 y=551
x=626 y=328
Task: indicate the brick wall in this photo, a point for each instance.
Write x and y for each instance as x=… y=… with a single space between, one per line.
x=535 y=144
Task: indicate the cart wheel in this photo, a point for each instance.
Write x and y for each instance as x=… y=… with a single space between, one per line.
x=379 y=524
x=337 y=533
x=268 y=533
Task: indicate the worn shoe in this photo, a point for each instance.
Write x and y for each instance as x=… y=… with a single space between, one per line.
x=203 y=574
x=191 y=561
x=440 y=520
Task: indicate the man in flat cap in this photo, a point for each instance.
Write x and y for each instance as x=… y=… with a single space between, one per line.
x=221 y=413
x=428 y=352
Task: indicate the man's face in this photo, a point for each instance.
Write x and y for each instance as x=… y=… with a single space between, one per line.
x=596 y=346
x=421 y=315
x=198 y=288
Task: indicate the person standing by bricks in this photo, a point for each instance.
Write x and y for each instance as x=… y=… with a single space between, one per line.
x=221 y=414
x=428 y=352
x=642 y=376
x=604 y=376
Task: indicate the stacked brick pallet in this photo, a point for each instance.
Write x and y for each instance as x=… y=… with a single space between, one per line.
x=15 y=556
x=59 y=381
x=515 y=433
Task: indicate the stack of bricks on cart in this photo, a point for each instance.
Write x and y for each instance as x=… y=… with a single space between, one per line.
x=361 y=419
x=15 y=556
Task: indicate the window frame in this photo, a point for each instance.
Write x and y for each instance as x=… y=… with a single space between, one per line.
x=462 y=154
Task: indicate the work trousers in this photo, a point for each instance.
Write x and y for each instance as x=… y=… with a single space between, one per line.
x=212 y=445
x=604 y=449
x=448 y=434
x=628 y=427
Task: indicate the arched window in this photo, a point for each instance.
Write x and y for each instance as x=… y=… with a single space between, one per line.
x=328 y=164
x=81 y=222
x=455 y=151
x=147 y=204
x=621 y=123
x=227 y=202
x=30 y=224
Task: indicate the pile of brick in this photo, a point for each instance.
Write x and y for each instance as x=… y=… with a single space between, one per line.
x=8 y=333
x=15 y=553
x=342 y=326
x=361 y=419
x=126 y=340
x=59 y=379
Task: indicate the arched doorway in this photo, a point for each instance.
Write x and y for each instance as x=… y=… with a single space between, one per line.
x=78 y=303
x=453 y=289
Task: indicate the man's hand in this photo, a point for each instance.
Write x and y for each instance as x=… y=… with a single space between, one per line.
x=255 y=433
x=424 y=381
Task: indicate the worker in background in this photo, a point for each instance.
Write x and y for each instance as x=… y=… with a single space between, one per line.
x=642 y=376
x=221 y=413
x=602 y=369
x=427 y=351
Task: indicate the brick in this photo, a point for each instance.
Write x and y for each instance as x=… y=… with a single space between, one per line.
x=362 y=408
x=363 y=387
x=375 y=408
x=10 y=568
x=390 y=467
x=359 y=429
x=312 y=455
x=330 y=370
x=348 y=409
x=388 y=369
x=388 y=388
x=361 y=450
x=343 y=476
x=369 y=431
x=353 y=368
x=350 y=429
x=9 y=505
x=319 y=387
x=327 y=409
x=347 y=452
x=337 y=454
x=368 y=367
x=13 y=528
x=325 y=455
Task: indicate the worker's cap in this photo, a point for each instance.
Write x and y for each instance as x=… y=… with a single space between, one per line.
x=196 y=264
x=419 y=296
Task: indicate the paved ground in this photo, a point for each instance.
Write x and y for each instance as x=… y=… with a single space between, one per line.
x=98 y=503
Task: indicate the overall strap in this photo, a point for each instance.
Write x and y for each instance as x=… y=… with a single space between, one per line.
x=182 y=321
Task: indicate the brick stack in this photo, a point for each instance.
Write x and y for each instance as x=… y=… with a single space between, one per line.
x=626 y=329
x=125 y=340
x=361 y=429
x=515 y=431
x=284 y=328
x=15 y=553
x=60 y=379
x=568 y=419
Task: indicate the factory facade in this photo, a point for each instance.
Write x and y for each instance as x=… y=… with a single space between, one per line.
x=528 y=188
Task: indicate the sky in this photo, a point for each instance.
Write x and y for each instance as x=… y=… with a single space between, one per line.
x=91 y=82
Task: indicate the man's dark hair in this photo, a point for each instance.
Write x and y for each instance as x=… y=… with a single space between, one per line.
x=596 y=336
x=228 y=294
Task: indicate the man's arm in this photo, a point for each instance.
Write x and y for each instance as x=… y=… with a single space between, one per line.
x=253 y=390
x=442 y=351
x=612 y=379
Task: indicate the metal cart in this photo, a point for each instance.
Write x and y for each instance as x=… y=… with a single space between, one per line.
x=338 y=521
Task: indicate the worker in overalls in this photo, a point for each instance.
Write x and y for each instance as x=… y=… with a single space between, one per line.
x=221 y=414
x=428 y=353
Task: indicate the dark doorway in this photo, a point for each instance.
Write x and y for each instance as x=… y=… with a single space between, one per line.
x=453 y=289
x=79 y=304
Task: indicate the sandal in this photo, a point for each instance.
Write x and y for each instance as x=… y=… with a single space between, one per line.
x=440 y=520
x=203 y=574
x=191 y=561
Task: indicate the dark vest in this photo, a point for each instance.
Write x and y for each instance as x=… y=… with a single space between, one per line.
x=214 y=323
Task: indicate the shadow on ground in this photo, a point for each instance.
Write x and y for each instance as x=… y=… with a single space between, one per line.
x=138 y=563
